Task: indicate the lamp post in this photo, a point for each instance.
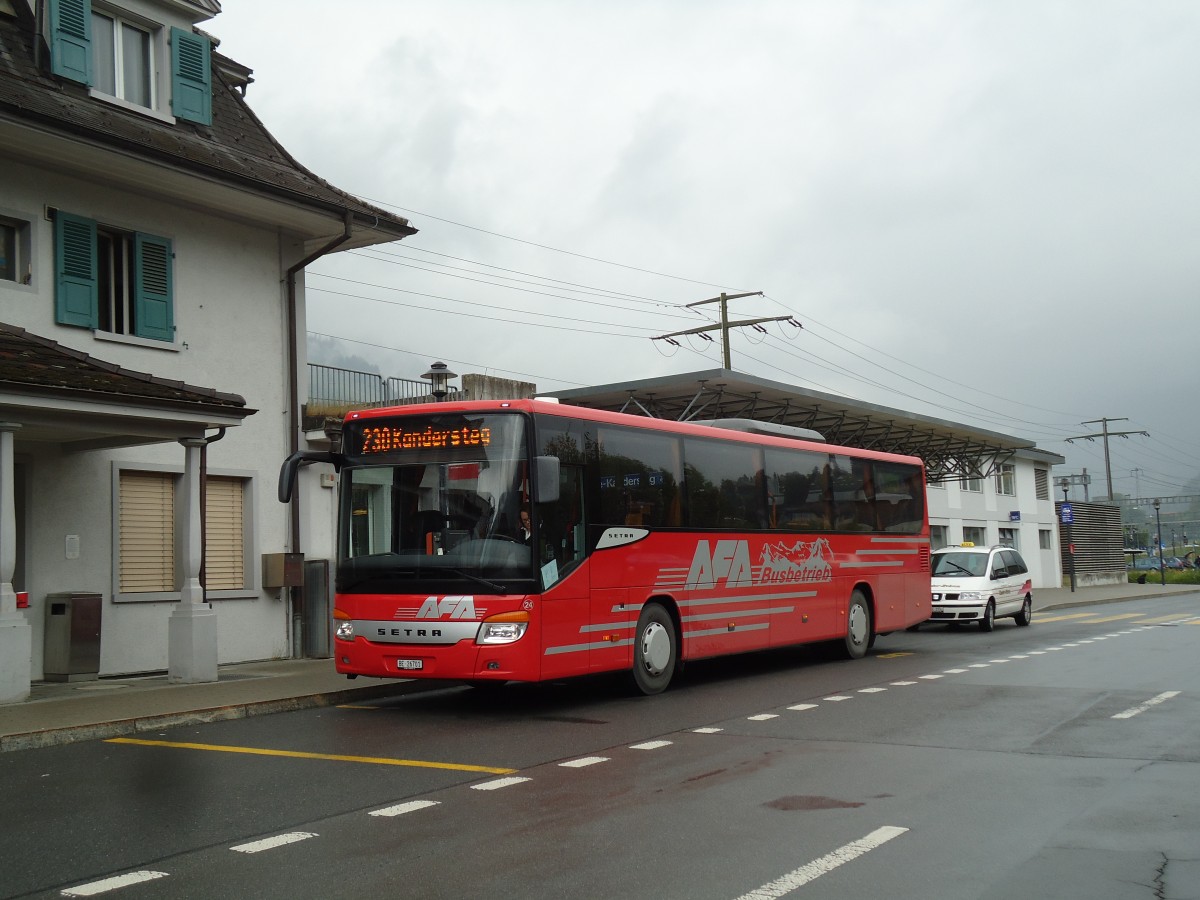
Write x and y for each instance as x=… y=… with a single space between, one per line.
x=439 y=380
x=1162 y=569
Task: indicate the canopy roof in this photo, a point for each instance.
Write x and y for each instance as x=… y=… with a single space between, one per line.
x=951 y=451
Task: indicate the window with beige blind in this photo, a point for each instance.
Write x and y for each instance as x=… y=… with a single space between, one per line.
x=147 y=532
x=150 y=534
x=224 y=551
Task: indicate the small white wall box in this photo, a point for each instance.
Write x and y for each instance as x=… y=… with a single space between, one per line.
x=281 y=570
x=328 y=479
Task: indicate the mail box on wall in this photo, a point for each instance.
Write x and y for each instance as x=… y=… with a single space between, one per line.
x=280 y=570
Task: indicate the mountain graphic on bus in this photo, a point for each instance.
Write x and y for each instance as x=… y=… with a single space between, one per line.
x=799 y=562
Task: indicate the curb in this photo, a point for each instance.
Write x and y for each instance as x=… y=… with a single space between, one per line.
x=54 y=737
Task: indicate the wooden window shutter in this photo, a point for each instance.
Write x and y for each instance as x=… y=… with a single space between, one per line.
x=71 y=39
x=153 y=313
x=224 y=553
x=147 y=532
x=191 y=77
x=76 y=291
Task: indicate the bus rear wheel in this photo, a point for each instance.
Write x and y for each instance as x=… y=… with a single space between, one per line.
x=655 y=650
x=860 y=633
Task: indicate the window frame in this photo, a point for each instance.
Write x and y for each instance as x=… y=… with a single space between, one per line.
x=84 y=298
x=121 y=20
x=1006 y=480
x=24 y=250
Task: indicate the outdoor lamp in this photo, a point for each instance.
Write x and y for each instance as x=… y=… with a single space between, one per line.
x=1162 y=564
x=439 y=378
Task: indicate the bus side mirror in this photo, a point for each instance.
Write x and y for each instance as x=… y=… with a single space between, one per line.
x=287 y=472
x=545 y=485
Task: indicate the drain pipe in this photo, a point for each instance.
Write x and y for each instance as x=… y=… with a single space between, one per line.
x=293 y=337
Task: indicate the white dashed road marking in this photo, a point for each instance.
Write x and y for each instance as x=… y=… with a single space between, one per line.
x=271 y=843
x=111 y=884
x=583 y=762
x=402 y=808
x=823 y=866
x=499 y=783
x=650 y=745
x=1153 y=701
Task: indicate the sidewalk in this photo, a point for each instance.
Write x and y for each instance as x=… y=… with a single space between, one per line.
x=60 y=713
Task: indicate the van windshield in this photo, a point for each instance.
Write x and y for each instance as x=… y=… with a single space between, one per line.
x=960 y=565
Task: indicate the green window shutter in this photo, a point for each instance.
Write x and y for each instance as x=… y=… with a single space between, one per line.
x=71 y=39
x=76 y=291
x=191 y=77
x=153 y=311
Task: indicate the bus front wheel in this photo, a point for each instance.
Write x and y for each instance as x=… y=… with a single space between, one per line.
x=655 y=650
x=859 y=631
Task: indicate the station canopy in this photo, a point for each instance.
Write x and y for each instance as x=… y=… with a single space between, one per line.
x=951 y=451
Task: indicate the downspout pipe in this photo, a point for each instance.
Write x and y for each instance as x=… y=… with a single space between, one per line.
x=294 y=389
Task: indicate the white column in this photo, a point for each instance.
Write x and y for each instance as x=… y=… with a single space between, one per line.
x=16 y=637
x=192 y=628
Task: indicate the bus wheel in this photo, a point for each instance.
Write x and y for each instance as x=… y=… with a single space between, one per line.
x=988 y=622
x=654 y=651
x=859 y=633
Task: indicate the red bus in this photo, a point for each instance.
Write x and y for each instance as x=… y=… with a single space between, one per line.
x=648 y=542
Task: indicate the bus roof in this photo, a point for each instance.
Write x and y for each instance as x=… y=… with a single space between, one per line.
x=778 y=436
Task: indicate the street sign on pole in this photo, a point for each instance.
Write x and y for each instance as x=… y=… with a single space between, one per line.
x=1067 y=514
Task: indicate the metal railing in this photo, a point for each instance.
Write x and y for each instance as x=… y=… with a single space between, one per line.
x=333 y=391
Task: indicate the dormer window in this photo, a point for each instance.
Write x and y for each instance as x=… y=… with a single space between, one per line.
x=122 y=59
x=141 y=64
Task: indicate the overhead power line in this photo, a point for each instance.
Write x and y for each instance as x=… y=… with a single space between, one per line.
x=1106 y=434
x=724 y=325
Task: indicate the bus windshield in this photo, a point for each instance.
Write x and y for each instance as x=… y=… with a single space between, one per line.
x=435 y=503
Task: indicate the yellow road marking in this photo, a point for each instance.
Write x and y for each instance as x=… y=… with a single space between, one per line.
x=1112 y=618
x=1064 y=618
x=352 y=706
x=298 y=754
x=892 y=655
x=1160 y=619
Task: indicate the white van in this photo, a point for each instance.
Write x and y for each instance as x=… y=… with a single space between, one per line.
x=980 y=584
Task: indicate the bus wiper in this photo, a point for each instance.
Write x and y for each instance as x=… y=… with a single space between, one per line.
x=498 y=588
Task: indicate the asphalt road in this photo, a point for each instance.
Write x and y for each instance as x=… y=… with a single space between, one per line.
x=1059 y=760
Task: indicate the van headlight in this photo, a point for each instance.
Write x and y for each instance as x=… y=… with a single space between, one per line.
x=504 y=628
x=970 y=595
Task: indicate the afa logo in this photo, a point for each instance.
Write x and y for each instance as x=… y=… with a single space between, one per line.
x=728 y=563
x=448 y=607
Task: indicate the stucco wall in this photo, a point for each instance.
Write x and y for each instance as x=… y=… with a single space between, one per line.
x=230 y=317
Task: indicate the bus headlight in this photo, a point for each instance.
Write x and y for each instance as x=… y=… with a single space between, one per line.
x=503 y=628
x=345 y=627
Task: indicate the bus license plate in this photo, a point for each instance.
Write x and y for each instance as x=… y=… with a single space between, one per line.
x=410 y=664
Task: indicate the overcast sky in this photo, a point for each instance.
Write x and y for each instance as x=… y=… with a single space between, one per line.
x=987 y=212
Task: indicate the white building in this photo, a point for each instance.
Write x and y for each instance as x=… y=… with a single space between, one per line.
x=153 y=239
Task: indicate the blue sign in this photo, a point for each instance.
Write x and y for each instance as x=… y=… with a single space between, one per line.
x=1014 y=515
x=1067 y=514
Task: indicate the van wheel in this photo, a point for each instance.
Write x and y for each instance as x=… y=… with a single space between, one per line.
x=988 y=622
x=1025 y=616
x=655 y=650
x=859 y=633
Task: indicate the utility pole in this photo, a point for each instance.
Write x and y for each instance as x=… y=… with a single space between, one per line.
x=725 y=324
x=1106 y=434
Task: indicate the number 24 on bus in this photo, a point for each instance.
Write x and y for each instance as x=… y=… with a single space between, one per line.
x=525 y=540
